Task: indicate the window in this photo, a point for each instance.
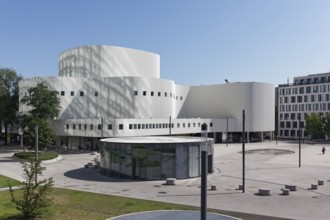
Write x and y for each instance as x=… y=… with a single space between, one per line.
x=130 y=126
x=305 y=98
x=73 y=126
x=85 y=126
x=96 y=93
x=99 y=126
x=81 y=93
x=139 y=126
x=67 y=126
x=91 y=127
x=121 y=126
x=79 y=126
x=152 y=93
x=62 y=93
x=301 y=90
x=144 y=93
x=181 y=98
x=135 y=92
x=72 y=93
x=288 y=124
x=211 y=124
x=159 y=93
x=294 y=124
x=178 y=125
x=135 y=126
x=299 y=98
x=165 y=94
x=293 y=99
x=308 y=89
x=320 y=98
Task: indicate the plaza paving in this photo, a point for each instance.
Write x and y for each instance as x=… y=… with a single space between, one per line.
x=262 y=171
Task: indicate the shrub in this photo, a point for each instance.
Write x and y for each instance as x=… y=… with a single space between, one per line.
x=42 y=155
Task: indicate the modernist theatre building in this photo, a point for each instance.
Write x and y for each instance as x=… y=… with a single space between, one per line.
x=114 y=97
x=108 y=91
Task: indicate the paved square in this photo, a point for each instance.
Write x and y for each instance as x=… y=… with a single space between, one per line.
x=263 y=170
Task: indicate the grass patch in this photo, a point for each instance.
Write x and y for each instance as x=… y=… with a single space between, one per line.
x=5 y=181
x=71 y=204
x=47 y=155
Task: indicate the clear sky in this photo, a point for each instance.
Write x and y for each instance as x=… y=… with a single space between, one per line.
x=199 y=42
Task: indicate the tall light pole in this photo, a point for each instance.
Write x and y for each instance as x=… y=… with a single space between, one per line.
x=243 y=152
x=227 y=133
x=299 y=142
x=36 y=153
x=204 y=172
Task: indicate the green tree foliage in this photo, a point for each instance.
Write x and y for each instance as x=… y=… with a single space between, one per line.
x=9 y=98
x=44 y=105
x=34 y=199
x=327 y=125
x=46 y=136
x=44 y=102
x=315 y=125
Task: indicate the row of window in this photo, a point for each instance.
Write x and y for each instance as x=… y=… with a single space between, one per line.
x=294 y=124
x=294 y=116
x=305 y=89
x=134 y=126
x=81 y=93
x=323 y=79
x=292 y=133
x=305 y=98
x=91 y=126
x=305 y=107
x=159 y=94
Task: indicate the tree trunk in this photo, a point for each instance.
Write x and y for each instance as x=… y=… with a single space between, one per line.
x=6 y=135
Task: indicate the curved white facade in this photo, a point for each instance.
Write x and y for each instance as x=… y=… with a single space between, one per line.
x=131 y=99
x=108 y=61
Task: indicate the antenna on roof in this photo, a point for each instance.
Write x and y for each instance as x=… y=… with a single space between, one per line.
x=287 y=81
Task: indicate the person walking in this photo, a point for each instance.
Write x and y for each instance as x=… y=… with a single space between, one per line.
x=323 y=150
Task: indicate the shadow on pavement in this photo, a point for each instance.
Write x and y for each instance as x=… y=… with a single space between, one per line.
x=91 y=174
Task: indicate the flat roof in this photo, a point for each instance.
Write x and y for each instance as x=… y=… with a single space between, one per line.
x=154 y=140
x=173 y=215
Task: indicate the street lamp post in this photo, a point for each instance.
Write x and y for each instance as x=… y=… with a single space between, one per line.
x=204 y=172
x=243 y=153
x=299 y=143
x=36 y=153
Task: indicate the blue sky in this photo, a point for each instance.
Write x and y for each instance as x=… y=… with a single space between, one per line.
x=199 y=42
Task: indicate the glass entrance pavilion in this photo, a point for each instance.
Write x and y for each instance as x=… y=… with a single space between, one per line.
x=153 y=158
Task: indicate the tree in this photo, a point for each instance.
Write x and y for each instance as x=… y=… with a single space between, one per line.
x=315 y=125
x=44 y=105
x=34 y=199
x=44 y=102
x=46 y=136
x=9 y=96
x=327 y=125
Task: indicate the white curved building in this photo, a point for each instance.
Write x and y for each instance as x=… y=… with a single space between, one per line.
x=108 y=91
